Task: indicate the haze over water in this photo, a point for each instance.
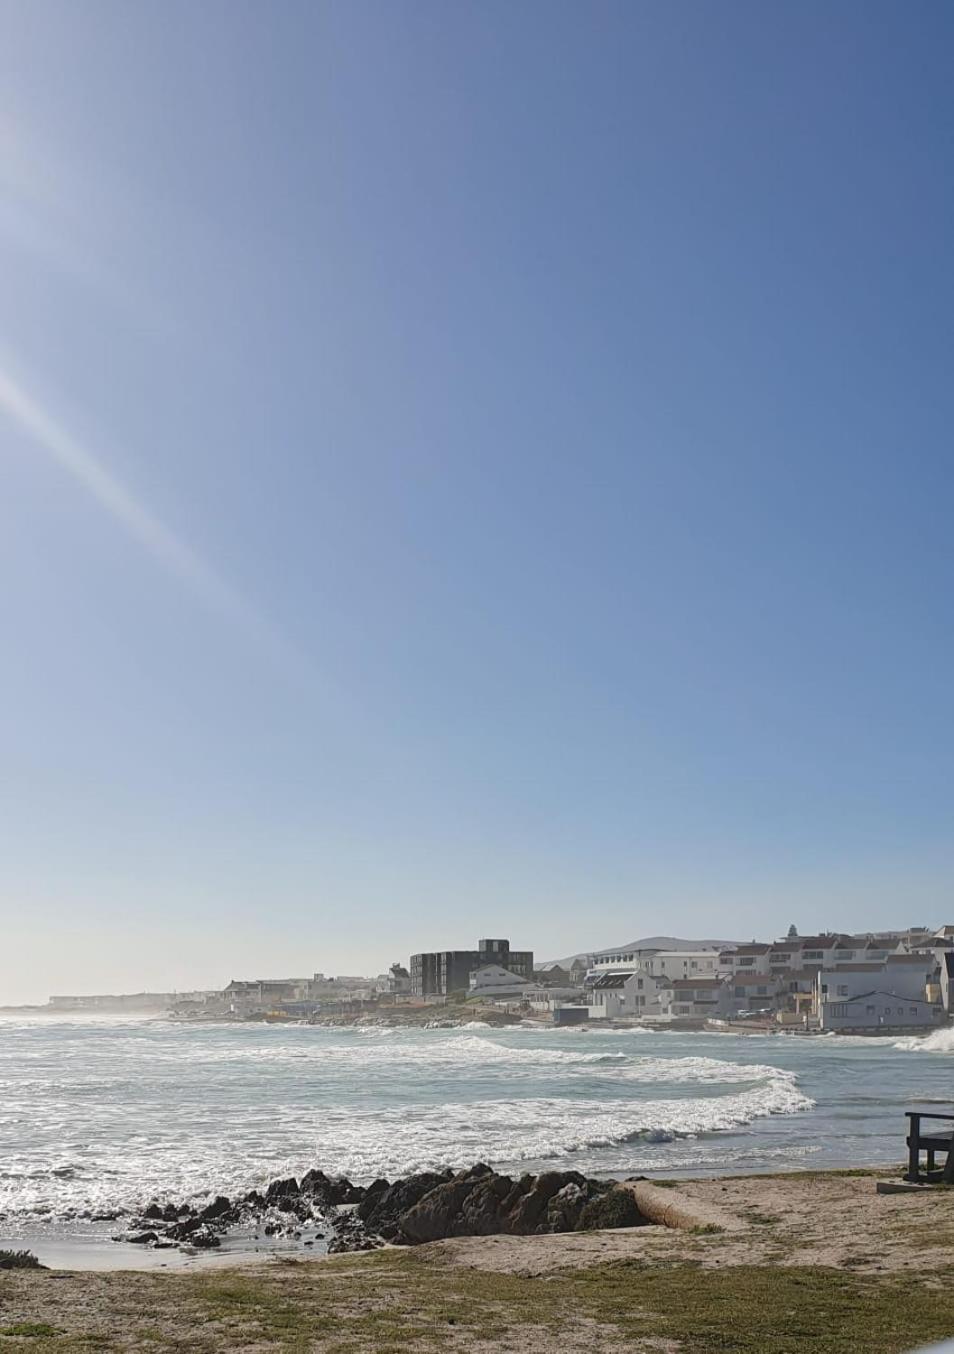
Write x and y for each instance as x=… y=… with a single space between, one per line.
x=98 y=1113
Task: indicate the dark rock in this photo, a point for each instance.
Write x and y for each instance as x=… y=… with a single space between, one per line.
x=386 y=1205
x=204 y=1239
x=281 y=1189
x=181 y=1231
x=613 y=1208
x=142 y=1239
x=436 y=1214
x=154 y=1212
x=481 y=1212
x=528 y=1210
x=220 y=1207
x=316 y=1185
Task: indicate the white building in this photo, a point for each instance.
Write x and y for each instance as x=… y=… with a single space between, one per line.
x=746 y=959
x=629 y=996
x=903 y=975
x=875 y=1010
x=497 y=983
x=699 y=998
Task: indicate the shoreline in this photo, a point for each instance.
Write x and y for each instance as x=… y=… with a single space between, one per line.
x=60 y=1246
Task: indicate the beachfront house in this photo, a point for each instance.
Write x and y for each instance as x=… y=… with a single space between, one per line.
x=752 y=992
x=699 y=998
x=637 y=995
x=874 y=1011
x=747 y=960
x=862 y=996
x=496 y=983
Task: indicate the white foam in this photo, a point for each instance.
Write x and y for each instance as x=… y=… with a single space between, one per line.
x=941 y=1041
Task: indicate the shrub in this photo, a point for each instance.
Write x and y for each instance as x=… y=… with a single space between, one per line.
x=19 y=1260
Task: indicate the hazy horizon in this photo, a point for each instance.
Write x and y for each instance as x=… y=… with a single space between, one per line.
x=469 y=470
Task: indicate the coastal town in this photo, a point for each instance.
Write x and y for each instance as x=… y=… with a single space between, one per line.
x=830 y=983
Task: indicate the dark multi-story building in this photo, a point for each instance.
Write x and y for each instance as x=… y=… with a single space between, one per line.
x=440 y=972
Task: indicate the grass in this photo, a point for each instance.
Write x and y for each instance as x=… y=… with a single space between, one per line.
x=391 y=1302
x=18 y=1260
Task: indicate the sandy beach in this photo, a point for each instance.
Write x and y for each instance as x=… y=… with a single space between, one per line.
x=816 y=1261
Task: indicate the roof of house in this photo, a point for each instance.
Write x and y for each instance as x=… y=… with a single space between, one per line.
x=752 y=979
x=610 y=980
x=879 y=992
x=921 y=959
x=748 y=949
x=853 y=968
x=708 y=983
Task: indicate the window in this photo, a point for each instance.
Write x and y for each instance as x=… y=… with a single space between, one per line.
x=639 y=984
x=813 y=954
x=839 y=1009
x=913 y=1010
x=740 y=991
x=762 y=991
x=747 y=962
x=869 y=1010
x=693 y=964
x=842 y=990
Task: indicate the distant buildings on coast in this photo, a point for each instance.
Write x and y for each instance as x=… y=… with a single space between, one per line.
x=438 y=973
x=881 y=981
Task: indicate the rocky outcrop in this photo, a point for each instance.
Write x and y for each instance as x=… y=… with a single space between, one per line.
x=479 y=1202
x=428 y=1206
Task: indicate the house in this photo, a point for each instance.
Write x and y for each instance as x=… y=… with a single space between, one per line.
x=903 y=975
x=263 y=994
x=746 y=959
x=629 y=995
x=682 y=963
x=753 y=991
x=398 y=981
x=873 y=1011
x=495 y=983
x=699 y=998
x=608 y=998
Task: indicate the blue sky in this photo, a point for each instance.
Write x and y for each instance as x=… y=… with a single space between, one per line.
x=469 y=469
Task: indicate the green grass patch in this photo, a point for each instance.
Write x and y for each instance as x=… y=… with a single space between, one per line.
x=30 y=1330
x=393 y=1301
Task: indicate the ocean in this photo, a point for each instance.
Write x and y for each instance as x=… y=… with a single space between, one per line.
x=105 y=1114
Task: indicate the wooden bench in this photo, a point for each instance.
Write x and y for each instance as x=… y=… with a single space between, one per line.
x=930 y=1140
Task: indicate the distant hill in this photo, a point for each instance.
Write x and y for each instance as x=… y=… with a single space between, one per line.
x=647 y=943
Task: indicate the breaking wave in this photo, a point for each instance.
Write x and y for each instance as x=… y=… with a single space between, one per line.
x=941 y=1041
x=119 y=1116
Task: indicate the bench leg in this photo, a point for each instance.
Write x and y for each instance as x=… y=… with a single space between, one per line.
x=930 y=1158
x=913 y=1152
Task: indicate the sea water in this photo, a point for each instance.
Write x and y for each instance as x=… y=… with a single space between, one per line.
x=104 y=1114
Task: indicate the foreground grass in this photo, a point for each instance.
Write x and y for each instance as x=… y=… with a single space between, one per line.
x=755 y=1309
x=391 y=1302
